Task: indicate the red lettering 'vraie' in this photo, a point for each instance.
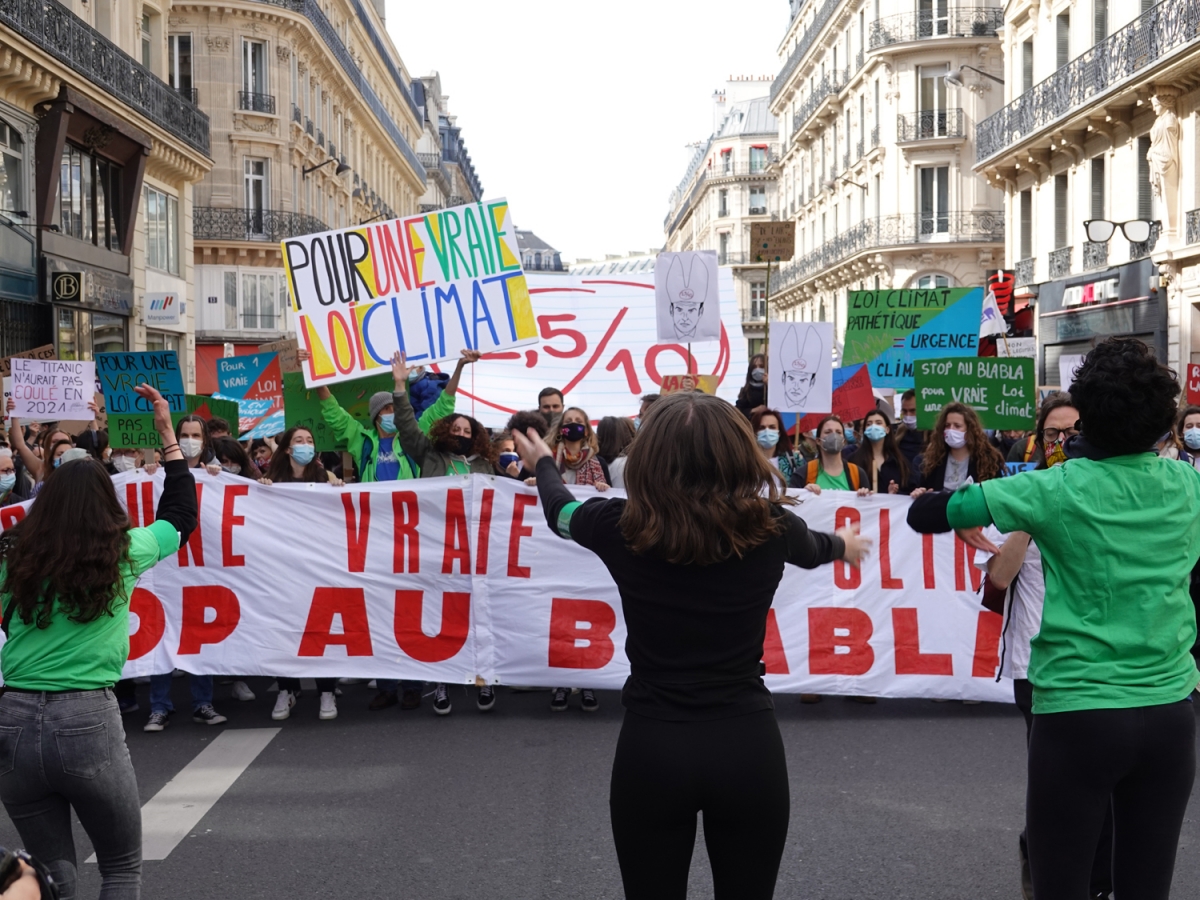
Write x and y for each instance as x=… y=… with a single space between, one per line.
x=406 y=543
x=521 y=502
x=229 y=521
x=456 y=549
x=194 y=548
x=774 y=659
x=358 y=529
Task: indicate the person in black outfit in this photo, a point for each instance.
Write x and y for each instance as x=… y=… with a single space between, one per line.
x=753 y=394
x=697 y=552
x=878 y=456
x=910 y=441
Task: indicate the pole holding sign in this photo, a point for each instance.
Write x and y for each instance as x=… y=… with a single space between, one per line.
x=1001 y=391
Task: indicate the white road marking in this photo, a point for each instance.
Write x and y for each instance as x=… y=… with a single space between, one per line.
x=184 y=800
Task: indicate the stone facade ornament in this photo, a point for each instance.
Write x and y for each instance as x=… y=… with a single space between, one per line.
x=283 y=53
x=217 y=43
x=1163 y=156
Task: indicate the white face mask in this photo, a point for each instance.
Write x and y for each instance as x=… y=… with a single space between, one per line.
x=956 y=440
x=232 y=469
x=191 y=447
x=909 y=421
x=124 y=463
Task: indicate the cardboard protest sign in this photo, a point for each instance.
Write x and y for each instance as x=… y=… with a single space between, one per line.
x=52 y=390
x=1001 y=391
x=46 y=351
x=686 y=296
x=208 y=408
x=853 y=398
x=674 y=383
x=287 y=350
x=800 y=367
x=1193 y=384
x=254 y=382
x=301 y=406
x=891 y=330
x=429 y=285
x=130 y=417
x=1016 y=468
x=773 y=241
x=1026 y=347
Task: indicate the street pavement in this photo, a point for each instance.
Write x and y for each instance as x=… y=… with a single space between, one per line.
x=903 y=799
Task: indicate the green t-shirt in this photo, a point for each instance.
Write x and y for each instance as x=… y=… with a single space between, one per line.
x=828 y=482
x=83 y=656
x=1119 y=539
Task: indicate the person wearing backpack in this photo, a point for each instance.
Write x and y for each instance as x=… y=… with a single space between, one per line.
x=831 y=471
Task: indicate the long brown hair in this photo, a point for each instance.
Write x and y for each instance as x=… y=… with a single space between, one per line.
x=695 y=480
x=864 y=456
x=481 y=441
x=785 y=440
x=70 y=546
x=988 y=461
x=279 y=469
x=614 y=434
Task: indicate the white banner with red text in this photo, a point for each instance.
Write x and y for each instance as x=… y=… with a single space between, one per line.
x=459 y=580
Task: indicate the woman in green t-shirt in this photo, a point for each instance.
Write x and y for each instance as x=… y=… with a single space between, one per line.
x=66 y=574
x=1111 y=667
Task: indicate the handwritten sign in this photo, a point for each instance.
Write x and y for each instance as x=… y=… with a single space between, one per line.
x=46 y=351
x=1001 y=391
x=255 y=383
x=773 y=241
x=891 y=330
x=301 y=406
x=207 y=407
x=130 y=416
x=1193 y=384
x=674 y=383
x=52 y=390
x=429 y=285
x=287 y=350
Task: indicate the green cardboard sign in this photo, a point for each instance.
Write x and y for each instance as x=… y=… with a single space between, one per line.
x=301 y=406
x=134 y=430
x=207 y=407
x=1001 y=390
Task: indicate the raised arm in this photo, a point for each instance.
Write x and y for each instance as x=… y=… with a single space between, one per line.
x=16 y=437
x=177 y=505
x=412 y=440
x=468 y=357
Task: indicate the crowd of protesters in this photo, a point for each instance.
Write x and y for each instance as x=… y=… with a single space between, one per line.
x=414 y=431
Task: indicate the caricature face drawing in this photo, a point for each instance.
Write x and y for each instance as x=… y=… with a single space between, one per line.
x=686 y=289
x=685 y=315
x=801 y=361
x=796 y=386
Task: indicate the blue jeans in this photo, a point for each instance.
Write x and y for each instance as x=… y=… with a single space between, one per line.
x=160 y=692
x=64 y=752
x=390 y=684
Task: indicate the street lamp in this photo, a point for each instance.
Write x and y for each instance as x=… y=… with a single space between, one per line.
x=956 y=77
x=341 y=167
x=830 y=184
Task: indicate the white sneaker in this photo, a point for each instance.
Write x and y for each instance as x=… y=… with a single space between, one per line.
x=328 y=706
x=372 y=685
x=283 y=705
x=241 y=691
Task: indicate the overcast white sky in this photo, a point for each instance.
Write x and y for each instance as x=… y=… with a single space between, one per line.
x=579 y=113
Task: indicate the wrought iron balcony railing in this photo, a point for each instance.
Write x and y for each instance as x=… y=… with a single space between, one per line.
x=919 y=25
x=320 y=138
x=1192 y=227
x=829 y=86
x=928 y=124
x=1095 y=255
x=296 y=117
x=1060 y=262
x=1162 y=31
x=255 y=102
x=191 y=94
x=874 y=137
x=1023 y=271
x=456 y=200
x=1139 y=249
x=214 y=223
x=820 y=20
x=976 y=226
x=309 y=128
x=59 y=32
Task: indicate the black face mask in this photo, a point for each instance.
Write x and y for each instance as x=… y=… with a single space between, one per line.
x=462 y=445
x=574 y=432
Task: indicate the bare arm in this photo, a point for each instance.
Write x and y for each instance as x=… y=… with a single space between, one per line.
x=468 y=356
x=1003 y=567
x=16 y=437
x=302 y=355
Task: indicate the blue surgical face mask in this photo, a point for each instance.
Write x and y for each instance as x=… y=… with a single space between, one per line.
x=7 y=482
x=875 y=432
x=767 y=438
x=416 y=374
x=850 y=437
x=57 y=461
x=1191 y=437
x=303 y=453
x=387 y=423
x=507 y=459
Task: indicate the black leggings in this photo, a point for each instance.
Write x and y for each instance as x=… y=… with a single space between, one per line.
x=1144 y=761
x=324 y=685
x=733 y=770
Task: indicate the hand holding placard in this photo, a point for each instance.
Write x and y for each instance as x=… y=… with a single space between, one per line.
x=52 y=390
x=131 y=413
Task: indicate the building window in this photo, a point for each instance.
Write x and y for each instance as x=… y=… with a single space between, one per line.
x=723 y=202
x=758 y=300
x=1145 y=206
x=147 y=42
x=231 y=301
x=86 y=204
x=1026 y=235
x=726 y=162
x=1026 y=66
x=1098 y=205
x=160 y=341
x=1062 y=36
x=932 y=90
x=12 y=152
x=1061 y=199
x=82 y=333
x=758 y=201
x=934 y=17
x=1100 y=14
x=258 y=301
x=758 y=159
x=256 y=194
x=179 y=63
x=933 y=281
x=162 y=230
x=934 y=200
x=722 y=248
x=254 y=67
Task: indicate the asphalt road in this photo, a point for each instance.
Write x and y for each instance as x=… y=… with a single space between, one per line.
x=904 y=799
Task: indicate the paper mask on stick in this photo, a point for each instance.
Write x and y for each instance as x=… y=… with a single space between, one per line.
x=686 y=294
x=801 y=367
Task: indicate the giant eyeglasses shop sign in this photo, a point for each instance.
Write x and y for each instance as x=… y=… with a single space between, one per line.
x=459 y=579
x=429 y=286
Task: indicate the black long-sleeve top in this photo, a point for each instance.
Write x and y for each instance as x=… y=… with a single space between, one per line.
x=177 y=504
x=694 y=633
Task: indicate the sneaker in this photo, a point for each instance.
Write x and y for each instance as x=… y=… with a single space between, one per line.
x=558 y=702
x=411 y=698
x=383 y=700
x=157 y=721
x=127 y=704
x=441 y=700
x=283 y=705
x=590 y=701
x=206 y=715
x=487 y=698
x=328 y=706
x=241 y=691
x=373 y=684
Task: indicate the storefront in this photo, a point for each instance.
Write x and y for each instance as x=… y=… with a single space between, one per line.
x=91 y=307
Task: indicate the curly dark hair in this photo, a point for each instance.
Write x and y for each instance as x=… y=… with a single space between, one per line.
x=70 y=547
x=1126 y=398
x=529 y=418
x=444 y=442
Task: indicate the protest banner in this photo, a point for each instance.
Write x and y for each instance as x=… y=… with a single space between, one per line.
x=453 y=579
x=1001 y=391
x=672 y=384
x=52 y=390
x=1021 y=346
x=209 y=407
x=1193 y=384
x=301 y=406
x=429 y=286
x=853 y=398
x=46 y=351
x=253 y=381
x=891 y=330
x=687 y=297
x=130 y=417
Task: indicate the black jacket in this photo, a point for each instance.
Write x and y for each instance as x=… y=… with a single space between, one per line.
x=936 y=480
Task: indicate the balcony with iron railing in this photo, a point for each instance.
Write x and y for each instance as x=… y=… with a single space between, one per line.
x=928 y=125
x=435 y=167
x=1095 y=255
x=58 y=32
x=902 y=229
x=815 y=28
x=190 y=94
x=215 y=223
x=309 y=128
x=1140 y=249
x=320 y=138
x=757 y=168
x=874 y=137
x=296 y=117
x=920 y=25
x=1023 y=271
x=829 y=86
x=252 y=101
x=1192 y=227
x=1060 y=262
x=1167 y=31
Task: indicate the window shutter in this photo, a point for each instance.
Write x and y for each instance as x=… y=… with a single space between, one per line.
x=1063 y=36
x=1060 y=211
x=1145 y=204
x=1101 y=13
x=1098 y=188
x=1027 y=65
x=1026 y=235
